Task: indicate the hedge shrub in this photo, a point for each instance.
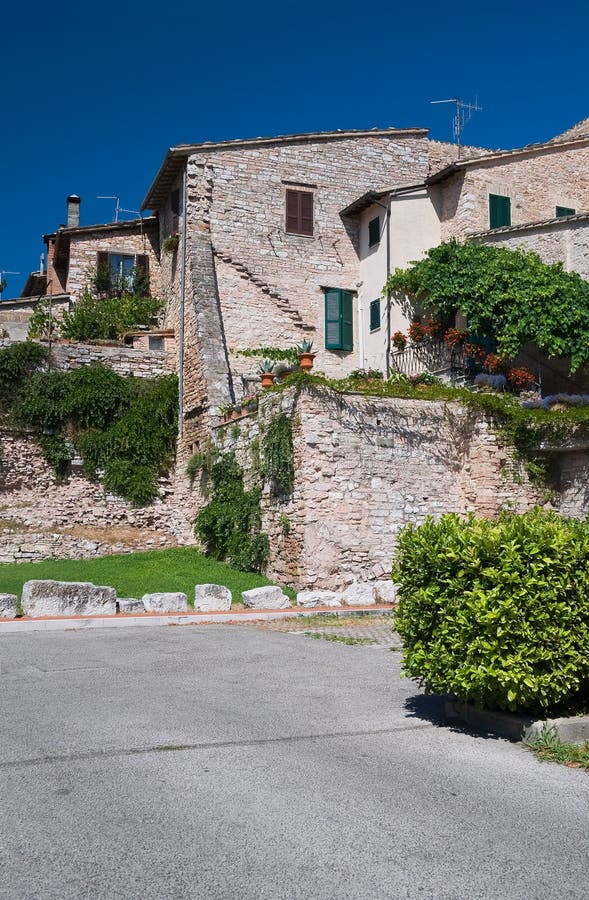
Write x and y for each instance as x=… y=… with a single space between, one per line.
x=496 y=612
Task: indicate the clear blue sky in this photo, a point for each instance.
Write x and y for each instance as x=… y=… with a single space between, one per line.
x=93 y=94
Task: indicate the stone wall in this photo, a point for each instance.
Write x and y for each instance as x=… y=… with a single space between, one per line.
x=563 y=240
x=366 y=467
x=537 y=181
x=123 y=360
x=40 y=518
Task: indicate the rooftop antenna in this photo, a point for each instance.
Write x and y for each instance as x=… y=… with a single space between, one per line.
x=462 y=117
x=4 y=272
x=118 y=207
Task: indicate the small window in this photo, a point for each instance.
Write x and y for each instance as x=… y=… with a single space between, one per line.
x=562 y=211
x=339 y=320
x=156 y=342
x=299 y=212
x=374 y=232
x=499 y=211
x=175 y=209
x=375 y=315
x=122 y=273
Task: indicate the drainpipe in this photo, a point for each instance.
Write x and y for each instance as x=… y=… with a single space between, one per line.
x=182 y=304
x=387 y=209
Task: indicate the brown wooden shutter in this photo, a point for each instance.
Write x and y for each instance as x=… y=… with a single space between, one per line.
x=292 y=211
x=306 y=201
x=101 y=259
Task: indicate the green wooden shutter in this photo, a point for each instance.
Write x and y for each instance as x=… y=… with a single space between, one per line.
x=333 y=330
x=564 y=211
x=374 y=232
x=499 y=211
x=347 y=321
x=375 y=315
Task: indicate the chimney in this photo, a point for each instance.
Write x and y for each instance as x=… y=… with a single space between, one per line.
x=73 y=211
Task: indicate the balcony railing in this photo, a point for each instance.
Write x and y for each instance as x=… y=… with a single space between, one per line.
x=429 y=355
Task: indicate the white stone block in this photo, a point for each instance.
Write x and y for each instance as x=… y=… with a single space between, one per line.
x=67 y=598
x=265 y=598
x=360 y=593
x=311 y=599
x=8 y=606
x=386 y=591
x=212 y=597
x=165 y=602
x=130 y=605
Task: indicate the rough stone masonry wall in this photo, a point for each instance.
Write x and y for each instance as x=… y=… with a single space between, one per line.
x=123 y=360
x=366 y=467
x=536 y=182
x=264 y=275
x=40 y=518
x=565 y=241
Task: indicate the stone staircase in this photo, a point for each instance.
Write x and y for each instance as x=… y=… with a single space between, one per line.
x=282 y=303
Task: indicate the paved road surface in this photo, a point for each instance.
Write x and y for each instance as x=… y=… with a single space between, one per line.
x=232 y=762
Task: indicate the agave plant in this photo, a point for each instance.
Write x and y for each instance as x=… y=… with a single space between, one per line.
x=305 y=346
x=267 y=365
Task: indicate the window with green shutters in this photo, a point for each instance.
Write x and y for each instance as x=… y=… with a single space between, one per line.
x=499 y=211
x=339 y=319
x=375 y=315
x=564 y=211
x=374 y=232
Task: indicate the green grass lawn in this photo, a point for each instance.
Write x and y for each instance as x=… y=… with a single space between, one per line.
x=135 y=574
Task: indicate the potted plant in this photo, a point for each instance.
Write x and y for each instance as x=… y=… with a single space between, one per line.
x=455 y=337
x=306 y=357
x=266 y=371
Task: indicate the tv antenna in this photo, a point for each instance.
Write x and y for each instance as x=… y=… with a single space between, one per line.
x=4 y=272
x=462 y=116
x=118 y=207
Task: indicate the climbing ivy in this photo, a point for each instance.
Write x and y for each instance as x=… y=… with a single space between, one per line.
x=278 y=454
x=230 y=524
x=509 y=295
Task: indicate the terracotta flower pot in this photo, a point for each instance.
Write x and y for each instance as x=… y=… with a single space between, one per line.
x=267 y=379
x=306 y=361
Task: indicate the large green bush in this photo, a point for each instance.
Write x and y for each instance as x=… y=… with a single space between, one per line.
x=496 y=612
x=108 y=319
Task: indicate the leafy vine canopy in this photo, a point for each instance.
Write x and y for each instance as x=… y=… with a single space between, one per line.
x=509 y=295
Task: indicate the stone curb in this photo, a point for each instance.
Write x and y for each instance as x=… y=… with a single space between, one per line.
x=85 y=623
x=514 y=727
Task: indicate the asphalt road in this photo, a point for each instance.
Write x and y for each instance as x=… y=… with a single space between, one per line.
x=231 y=762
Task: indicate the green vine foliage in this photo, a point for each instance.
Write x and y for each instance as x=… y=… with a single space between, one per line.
x=18 y=362
x=278 y=454
x=229 y=526
x=124 y=428
x=509 y=295
x=57 y=453
x=290 y=354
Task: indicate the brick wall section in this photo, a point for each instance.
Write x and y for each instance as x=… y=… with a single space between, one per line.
x=366 y=467
x=537 y=182
x=85 y=245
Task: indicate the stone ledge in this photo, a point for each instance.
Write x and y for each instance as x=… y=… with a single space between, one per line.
x=518 y=727
x=75 y=623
